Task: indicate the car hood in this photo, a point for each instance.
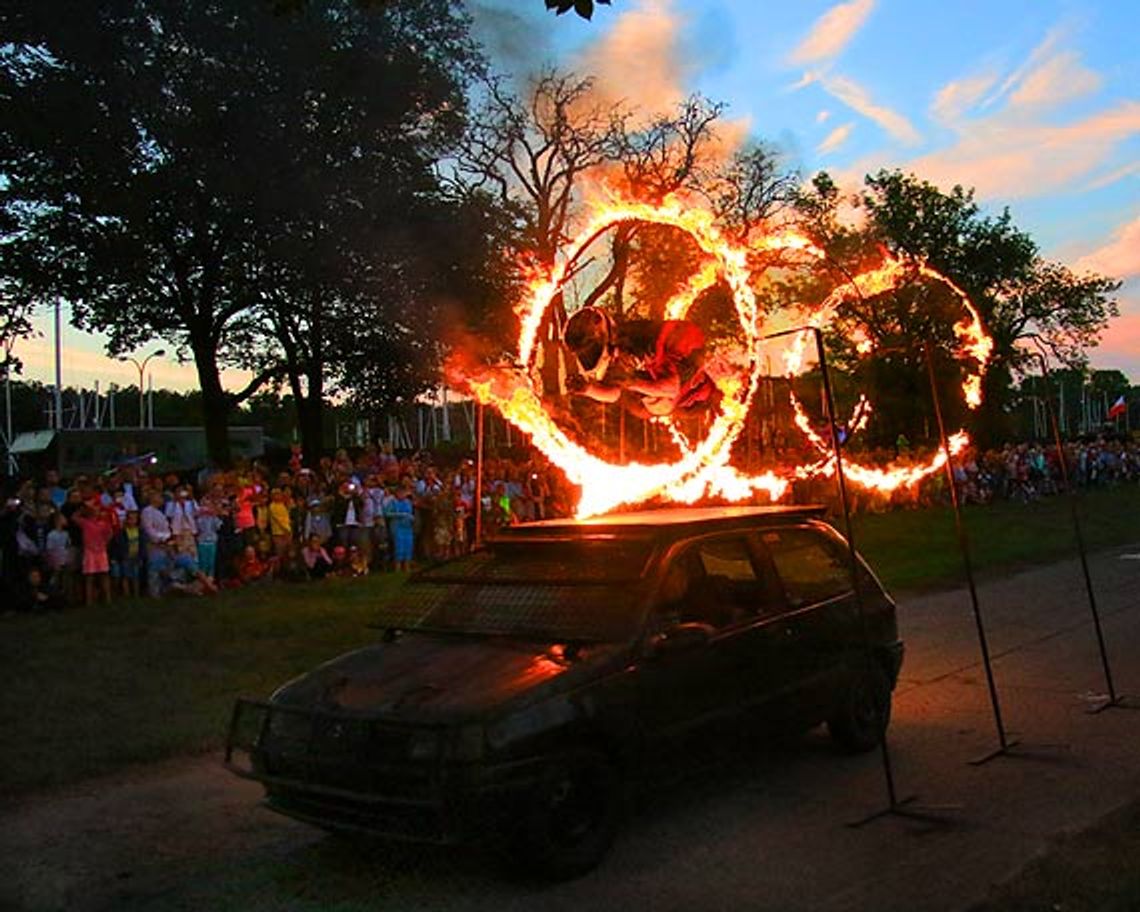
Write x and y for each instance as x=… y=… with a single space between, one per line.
x=428 y=678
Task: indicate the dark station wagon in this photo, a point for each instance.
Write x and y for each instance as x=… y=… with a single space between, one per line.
x=519 y=693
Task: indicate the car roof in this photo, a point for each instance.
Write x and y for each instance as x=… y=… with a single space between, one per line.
x=664 y=522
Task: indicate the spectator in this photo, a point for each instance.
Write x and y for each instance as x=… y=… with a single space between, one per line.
x=126 y=551
x=316 y=558
x=97 y=531
x=401 y=524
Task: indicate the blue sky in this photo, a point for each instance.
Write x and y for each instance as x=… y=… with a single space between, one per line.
x=1035 y=104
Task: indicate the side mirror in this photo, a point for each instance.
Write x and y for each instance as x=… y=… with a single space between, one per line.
x=681 y=638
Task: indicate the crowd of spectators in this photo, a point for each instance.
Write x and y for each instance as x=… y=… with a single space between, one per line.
x=1029 y=471
x=131 y=531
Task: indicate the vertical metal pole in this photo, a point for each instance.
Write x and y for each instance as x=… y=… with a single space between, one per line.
x=150 y=402
x=58 y=367
x=478 y=475
x=967 y=565
x=111 y=405
x=1071 y=494
x=621 y=435
x=142 y=398
x=852 y=554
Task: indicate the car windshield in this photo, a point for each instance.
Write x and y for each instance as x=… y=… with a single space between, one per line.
x=557 y=591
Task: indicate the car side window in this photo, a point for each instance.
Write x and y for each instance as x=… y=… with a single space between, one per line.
x=722 y=586
x=812 y=567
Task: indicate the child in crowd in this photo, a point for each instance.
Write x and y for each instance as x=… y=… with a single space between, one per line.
x=59 y=558
x=316 y=558
x=209 y=524
x=251 y=568
x=280 y=523
x=126 y=554
x=96 y=528
x=401 y=524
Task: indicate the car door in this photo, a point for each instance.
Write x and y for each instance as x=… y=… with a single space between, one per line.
x=821 y=621
x=712 y=581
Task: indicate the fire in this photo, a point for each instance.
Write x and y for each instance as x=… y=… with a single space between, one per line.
x=703 y=468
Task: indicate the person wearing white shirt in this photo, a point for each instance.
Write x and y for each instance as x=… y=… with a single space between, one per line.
x=153 y=520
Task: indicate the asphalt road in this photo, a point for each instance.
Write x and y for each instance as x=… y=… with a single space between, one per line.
x=759 y=828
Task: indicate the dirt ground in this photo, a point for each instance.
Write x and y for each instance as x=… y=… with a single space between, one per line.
x=764 y=831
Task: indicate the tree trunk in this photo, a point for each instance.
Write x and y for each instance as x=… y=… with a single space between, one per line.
x=216 y=405
x=310 y=418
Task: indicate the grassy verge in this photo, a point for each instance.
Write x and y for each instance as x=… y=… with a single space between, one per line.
x=918 y=549
x=91 y=690
x=1094 y=871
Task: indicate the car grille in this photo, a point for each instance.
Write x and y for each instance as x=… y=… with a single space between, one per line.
x=336 y=751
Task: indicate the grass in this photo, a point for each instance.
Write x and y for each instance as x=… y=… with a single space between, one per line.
x=1097 y=870
x=93 y=690
x=918 y=549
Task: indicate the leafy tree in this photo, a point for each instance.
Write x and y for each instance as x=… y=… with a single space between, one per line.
x=584 y=8
x=168 y=162
x=1020 y=296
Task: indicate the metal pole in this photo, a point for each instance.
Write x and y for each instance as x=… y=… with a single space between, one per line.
x=967 y=565
x=1071 y=492
x=150 y=401
x=58 y=368
x=852 y=554
x=621 y=435
x=478 y=476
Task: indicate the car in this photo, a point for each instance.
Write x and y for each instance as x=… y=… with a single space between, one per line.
x=516 y=694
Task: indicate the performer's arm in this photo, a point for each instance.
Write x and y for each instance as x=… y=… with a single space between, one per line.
x=666 y=387
x=601 y=392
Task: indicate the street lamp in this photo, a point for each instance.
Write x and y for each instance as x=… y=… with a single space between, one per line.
x=142 y=369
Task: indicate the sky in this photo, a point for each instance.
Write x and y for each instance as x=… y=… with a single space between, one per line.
x=1036 y=105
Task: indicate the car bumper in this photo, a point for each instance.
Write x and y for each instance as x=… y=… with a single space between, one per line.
x=340 y=771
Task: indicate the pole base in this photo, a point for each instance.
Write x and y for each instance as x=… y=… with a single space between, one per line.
x=1003 y=751
x=1101 y=702
x=906 y=808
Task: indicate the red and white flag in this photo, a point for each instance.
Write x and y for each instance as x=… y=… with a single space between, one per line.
x=1119 y=407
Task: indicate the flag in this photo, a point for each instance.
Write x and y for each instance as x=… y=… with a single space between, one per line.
x=1119 y=407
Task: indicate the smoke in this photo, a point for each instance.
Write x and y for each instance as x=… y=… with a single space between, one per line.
x=517 y=42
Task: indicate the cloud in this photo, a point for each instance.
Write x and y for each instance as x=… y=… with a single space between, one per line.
x=1009 y=155
x=1036 y=56
x=1119 y=257
x=957 y=97
x=835 y=138
x=832 y=31
x=822 y=116
x=1120 y=345
x=859 y=99
x=1059 y=79
x=1115 y=175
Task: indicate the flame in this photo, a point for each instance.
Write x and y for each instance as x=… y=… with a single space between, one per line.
x=703 y=468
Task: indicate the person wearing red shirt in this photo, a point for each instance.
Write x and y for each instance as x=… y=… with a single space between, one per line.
x=652 y=367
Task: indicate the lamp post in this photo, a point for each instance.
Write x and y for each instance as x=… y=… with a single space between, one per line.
x=142 y=370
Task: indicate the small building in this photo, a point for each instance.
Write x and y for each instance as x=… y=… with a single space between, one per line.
x=91 y=450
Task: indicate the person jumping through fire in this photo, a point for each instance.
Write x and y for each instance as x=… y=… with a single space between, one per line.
x=653 y=368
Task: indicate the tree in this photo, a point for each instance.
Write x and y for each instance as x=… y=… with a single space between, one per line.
x=1020 y=295
x=166 y=161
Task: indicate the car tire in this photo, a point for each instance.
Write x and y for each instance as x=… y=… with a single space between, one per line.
x=864 y=713
x=570 y=818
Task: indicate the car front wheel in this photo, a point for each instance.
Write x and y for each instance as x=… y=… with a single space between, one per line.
x=864 y=710
x=571 y=817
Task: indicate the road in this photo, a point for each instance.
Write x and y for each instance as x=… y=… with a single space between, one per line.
x=763 y=828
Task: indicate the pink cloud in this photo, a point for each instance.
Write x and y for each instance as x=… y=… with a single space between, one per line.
x=1120 y=345
x=859 y=100
x=1008 y=156
x=1119 y=258
x=956 y=97
x=1059 y=79
x=835 y=138
x=832 y=31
